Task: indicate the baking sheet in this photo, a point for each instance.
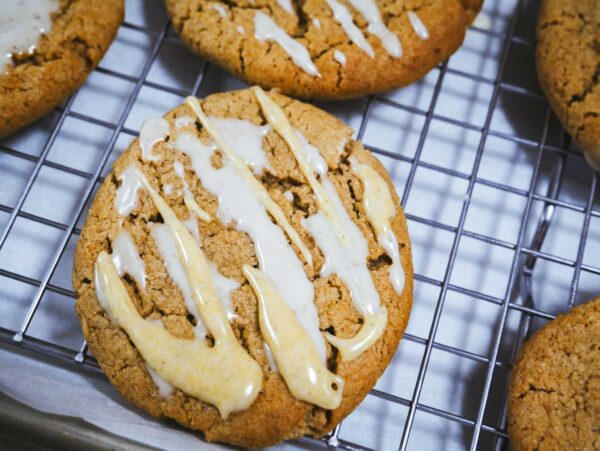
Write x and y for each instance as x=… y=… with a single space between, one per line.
x=452 y=383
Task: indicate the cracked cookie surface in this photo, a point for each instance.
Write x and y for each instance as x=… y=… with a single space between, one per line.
x=554 y=400
x=35 y=83
x=568 y=65
x=224 y=32
x=275 y=415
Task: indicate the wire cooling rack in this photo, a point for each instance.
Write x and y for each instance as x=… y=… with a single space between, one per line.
x=501 y=212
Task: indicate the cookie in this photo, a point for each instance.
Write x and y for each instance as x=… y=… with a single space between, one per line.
x=554 y=400
x=568 y=66
x=49 y=47
x=245 y=269
x=325 y=49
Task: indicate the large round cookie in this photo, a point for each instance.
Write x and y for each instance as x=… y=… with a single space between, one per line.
x=324 y=49
x=275 y=414
x=36 y=82
x=568 y=66
x=554 y=400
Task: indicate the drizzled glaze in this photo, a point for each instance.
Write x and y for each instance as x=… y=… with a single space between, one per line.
x=368 y=9
x=345 y=253
x=305 y=374
x=230 y=379
x=22 y=22
x=380 y=208
x=188 y=197
x=241 y=167
x=154 y=129
x=369 y=333
x=418 y=25
x=241 y=207
x=127 y=260
x=266 y=29
x=343 y=16
x=279 y=122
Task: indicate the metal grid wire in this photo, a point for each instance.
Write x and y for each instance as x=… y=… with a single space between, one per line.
x=527 y=252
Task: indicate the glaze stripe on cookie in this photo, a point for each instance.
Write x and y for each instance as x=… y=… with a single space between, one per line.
x=229 y=378
x=368 y=9
x=266 y=29
x=345 y=248
x=241 y=167
x=242 y=207
x=154 y=129
x=343 y=16
x=305 y=374
x=188 y=197
x=127 y=259
x=380 y=208
x=418 y=25
x=21 y=25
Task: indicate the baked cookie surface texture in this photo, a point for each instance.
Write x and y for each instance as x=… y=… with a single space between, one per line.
x=554 y=400
x=245 y=269
x=48 y=49
x=568 y=65
x=328 y=49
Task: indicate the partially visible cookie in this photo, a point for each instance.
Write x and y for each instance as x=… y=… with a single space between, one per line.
x=568 y=65
x=33 y=83
x=328 y=49
x=343 y=266
x=554 y=400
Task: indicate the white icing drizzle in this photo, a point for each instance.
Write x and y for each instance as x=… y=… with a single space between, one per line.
x=223 y=285
x=219 y=8
x=154 y=129
x=344 y=18
x=167 y=189
x=368 y=9
x=347 y=260
x=229 y=378
x=288 y=195
x=270 y=358
x=251 y=182
x=317 y=23
x=345 y=254
x=164 y=388
x=340 y=57
x=22 y=22
x=246 y=138
x=266 y=29
x=188 y=197
x=278 y=120
x=313 y=156
x=240 y=29
x=418 y=25
x=127 y=193
x=184 y=121
x=380 y=208
x=286 y=5
x=242 y=207
x=127 y=259
x=304 y=372
x=369 y=333
x=238 y=380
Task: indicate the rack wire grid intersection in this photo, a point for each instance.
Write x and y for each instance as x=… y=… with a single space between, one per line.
x=551 y=152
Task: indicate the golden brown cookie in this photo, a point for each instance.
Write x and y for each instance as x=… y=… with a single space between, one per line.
x=275 y=414
x=324 y=49
x=36 y=82
x=554 y=400
x=568 y=66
